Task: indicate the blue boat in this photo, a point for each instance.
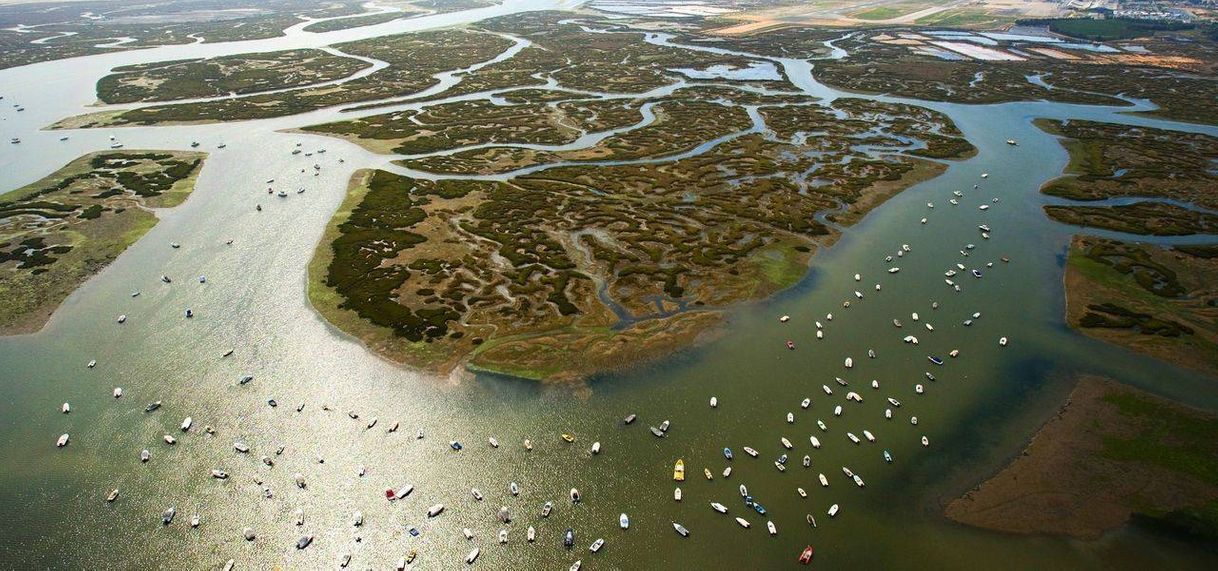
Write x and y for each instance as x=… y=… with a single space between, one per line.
x=748 y=501
x=782 y=459
x=414 y=531
x=727 y=453
x=568 y=539
x=935 y=360
x=455 y=445
x=759 y=508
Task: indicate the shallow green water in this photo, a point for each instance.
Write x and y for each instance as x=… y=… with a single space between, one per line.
x=982 y=407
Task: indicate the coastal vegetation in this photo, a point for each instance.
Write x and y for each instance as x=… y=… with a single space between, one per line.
x=1109 y=161
x=1111 y=455
x=561 y=273
x=1151 y=299
x=353 y=22
x=413 y=60
x=1117 y=161
x=57 y=232
x=239 y=75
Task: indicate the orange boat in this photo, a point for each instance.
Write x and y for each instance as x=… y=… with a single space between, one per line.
x=806 y=556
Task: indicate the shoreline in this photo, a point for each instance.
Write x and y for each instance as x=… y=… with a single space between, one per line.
x=1097 y=465
x=99 y=251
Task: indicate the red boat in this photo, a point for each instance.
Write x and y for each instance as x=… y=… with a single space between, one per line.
x=806 y=556
x=791 y=345
x=390 y=494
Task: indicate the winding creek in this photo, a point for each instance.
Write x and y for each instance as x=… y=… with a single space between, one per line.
x=984 y=405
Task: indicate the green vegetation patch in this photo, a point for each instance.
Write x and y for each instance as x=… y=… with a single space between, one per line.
x=1107 y=29
x=238 y=74
x=413 y=60
x=1159 y=301
x=1108 y=161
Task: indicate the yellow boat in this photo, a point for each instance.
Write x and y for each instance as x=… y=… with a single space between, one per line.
x=568 y=437
x=708 y=474
x=678 y=471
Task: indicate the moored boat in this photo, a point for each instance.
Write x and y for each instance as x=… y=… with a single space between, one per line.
x=678 y=471
x=680 y=529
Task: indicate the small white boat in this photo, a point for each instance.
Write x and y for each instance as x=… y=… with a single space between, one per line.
x=219 y=474
x=849 y=363
x=913 y=420
x=833 y=509
x=112 y=496
x=853 y=438
x=805 y=403
x=743 y=522
x=473 y=556
x=676 y=494
x=925 y=441
x=821 y=424
x=66 y=408
x=145 y=455
x=802 y=493
x=744 y=491
x=824 y=481
x=170 y=440
x=596 y=545
x=1002 y=341
x=727 y=472
x=531 y=534
x=718 y=507
x=780 y=466
x=122 y=318
x=493 y=442
x=786 y=443
x=476 y=493
x=62 y=441
x=770 y=526
x=714 y=402
x=815 y=441
x=750 y=451
x=827 y=390
x=784 y=319
x=680 y=529
x=241 y=447
x=894 y=402
x=186 y=424
x=622 y=522
x=918 y=388
x=869 y=436
x=92 y=364
x=118 y=392
x=596 y=447
x=514 y=489
x=837 y=410
x=575 y=566
x=503 y=537
x=435 y=510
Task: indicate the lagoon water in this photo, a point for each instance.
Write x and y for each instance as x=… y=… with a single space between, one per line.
x=977 y=414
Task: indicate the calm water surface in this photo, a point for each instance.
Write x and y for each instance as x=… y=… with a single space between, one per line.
x=979 y=411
